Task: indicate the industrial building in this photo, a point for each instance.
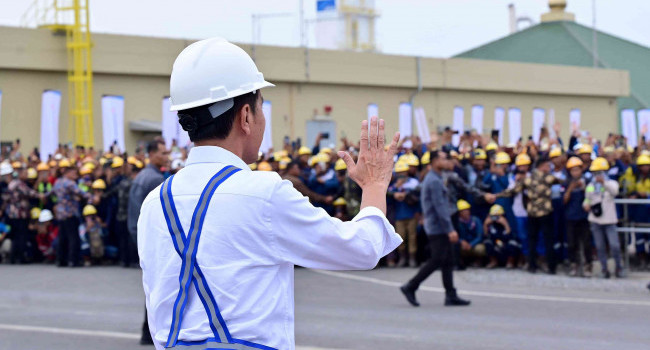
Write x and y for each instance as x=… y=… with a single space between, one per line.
x=317 y=90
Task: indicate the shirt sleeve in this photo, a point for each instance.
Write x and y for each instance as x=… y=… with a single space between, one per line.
x=307 y=236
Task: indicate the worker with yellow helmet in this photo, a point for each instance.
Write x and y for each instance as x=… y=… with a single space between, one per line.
x=500 y=244
x=406 y=205
x=91 y=230
x=577 y=226
x=470 y=233
x=600 y=194
x=19 y=194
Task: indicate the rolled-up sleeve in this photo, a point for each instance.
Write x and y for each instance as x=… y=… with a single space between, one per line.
x=307 y=236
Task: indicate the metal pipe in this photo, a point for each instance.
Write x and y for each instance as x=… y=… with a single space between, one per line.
x=418 y=72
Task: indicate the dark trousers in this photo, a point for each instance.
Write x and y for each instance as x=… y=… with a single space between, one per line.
x=19 y=237
x=127 y=249
x=441 y=258
x=579 y=239
x=545 y=225
x=69 y=242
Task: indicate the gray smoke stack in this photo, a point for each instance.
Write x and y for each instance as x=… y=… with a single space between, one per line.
x=512 y=18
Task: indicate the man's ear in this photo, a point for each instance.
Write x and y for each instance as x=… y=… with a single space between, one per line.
x=245 y=118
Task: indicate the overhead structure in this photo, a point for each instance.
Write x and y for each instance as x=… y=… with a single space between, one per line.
x=70 y=17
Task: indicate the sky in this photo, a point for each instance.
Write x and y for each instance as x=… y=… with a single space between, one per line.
x=429 y=28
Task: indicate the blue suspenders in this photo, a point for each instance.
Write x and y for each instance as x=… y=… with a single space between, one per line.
x=186 y=248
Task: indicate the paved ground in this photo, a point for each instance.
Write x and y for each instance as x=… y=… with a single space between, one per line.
x=43 y=307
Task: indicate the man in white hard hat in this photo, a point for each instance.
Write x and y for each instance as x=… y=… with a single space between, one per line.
x=218 y=242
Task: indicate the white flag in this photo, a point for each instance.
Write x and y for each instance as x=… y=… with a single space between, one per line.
x=644 y=123
x=628 y=123
x=459 y=125
x=50 y=109
x=574 y=119
x=538 y=122
x=113 y=121
x=477 y=118
x=267 y=139
x=423 y=126
x=514 y=125
x=499 y=121
x=405 y=120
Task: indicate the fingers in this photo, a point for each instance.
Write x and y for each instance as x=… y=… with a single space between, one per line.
x=381 y=136
x=364 y=136
x=392 y=150
x=373 y=134
x=349 y=162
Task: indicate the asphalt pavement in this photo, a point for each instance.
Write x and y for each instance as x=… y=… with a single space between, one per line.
x=44 y=307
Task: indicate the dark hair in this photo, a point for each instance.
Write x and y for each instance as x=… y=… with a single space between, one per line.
x=292 y=164
x=541 y=160
x=200 y=125
x=433 y=155
x=152 y=146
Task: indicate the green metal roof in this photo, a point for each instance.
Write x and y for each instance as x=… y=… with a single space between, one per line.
x=569 y=43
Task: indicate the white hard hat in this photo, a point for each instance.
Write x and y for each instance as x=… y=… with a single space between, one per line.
x=177 y=164
x=210 y=71
x=46 y=215
x=6 y=168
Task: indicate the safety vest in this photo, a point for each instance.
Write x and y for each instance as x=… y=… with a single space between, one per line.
x=186 y=247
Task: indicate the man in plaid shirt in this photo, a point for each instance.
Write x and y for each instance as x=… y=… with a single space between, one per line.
x=66 y=212
x=17 y=211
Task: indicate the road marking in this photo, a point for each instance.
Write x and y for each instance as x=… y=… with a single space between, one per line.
x=350 y=276
x=95 y=333
x=87 y=332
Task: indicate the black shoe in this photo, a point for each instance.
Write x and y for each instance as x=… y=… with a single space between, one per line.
x=532 y=269
x=456 y=301
x=409 y=294
x=648 y=285
x=606 y=274
x=145 y=341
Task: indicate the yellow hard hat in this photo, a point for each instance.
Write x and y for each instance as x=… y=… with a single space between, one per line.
x=555 y=152
x=426 y=158
x=117 y=162
x=496 y=210
x=264 y=166
x=253 y=166
x=502 y=158
x=284 y=162
x=340 y=165
x=573 y=162
x=320 y=158
x=608 y=149
x=98 y=184
x=32 y=173
x=479 y=154
x=304 y=151
x=17 y=165
x=522 y=159
x=462 y=204
x=89 y=165
x=108 y=155
x=85 y=170
x=643 y=159
x=35 y=213
x=326 y=150
x=132 y=160
x=64 y=163
x=630 y=149
x=103 y=161
x=138 y=164
x=585 y=149
x=412 y=160
x=340 y=201
x=492 y=146
x=599 y=164
x=89 y=209
x=42 y=167
x=52 y=163
x=401 y=167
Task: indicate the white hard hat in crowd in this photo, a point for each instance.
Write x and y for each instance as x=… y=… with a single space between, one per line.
x=45 y=216
x=210 y=71
x=6 y=168
x=177 y=164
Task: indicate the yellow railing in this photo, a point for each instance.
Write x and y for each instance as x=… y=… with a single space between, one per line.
x=71 y=17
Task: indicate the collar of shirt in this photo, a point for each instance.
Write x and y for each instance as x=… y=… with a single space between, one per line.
x=154 y=168
x=214 y=154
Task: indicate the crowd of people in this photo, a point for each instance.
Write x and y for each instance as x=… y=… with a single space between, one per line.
x=530 y=205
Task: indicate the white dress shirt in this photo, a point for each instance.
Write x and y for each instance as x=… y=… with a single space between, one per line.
x=257 y=227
